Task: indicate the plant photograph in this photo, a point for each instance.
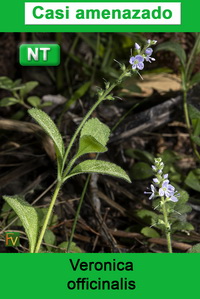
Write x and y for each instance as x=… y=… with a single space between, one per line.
x=101 y=153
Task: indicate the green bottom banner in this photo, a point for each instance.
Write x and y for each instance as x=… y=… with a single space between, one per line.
x=89 y=275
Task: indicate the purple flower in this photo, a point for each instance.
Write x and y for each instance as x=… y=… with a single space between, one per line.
x=149 y=59
x=137 y=47
x=149 y=51
x=156 y=181
x=137 y=62
x=166 y=189
x=173 y=198
x=153 y=190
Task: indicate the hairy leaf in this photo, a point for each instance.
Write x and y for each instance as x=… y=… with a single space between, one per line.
x=49 y=238
x=96 y=129
x=73 y=247
x=28 y=217
x=195 y=249
x=93 y=138
x=89 y=145
x=50 y=128
x=91 y=166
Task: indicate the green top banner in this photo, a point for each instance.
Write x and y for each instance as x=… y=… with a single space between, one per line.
x=99 y=16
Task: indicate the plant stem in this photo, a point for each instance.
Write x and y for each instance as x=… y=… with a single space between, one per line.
x=167 y=225
x=188 y=124
x=64 y=173
x=55 y=195
x=78 y=212
x=192 y=59
x=101 y=98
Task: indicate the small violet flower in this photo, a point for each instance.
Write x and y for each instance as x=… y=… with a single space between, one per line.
x=149 y=51
x=166 y=189
x=143 y=54
x=153 y=190
x=161 y=186
x=149 y=59
x=137 y=62
x=137 y=47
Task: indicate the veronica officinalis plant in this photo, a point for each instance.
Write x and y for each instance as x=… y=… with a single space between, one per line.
x=93 y=137
x=162 y=190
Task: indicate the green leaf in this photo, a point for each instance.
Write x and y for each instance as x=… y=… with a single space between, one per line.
x=8 y=102
x=34 y=101
x=175 y=48
x=193 y=179
x=140 y=155
x=17 y=83
x=195 y=79
x=6 y=83
x=77 y=95
x=73 y=247
x=89 y=145
x=196 y=126
x=169 y=157
x=91 y=166
x=150 y=232
x=50 y=128
x=141 y=171
x=182 y=226
x=49 y=238
x=93 y=138
x=196 y=139
x=149 y=217
x=195 y=249
x=194 y=113
x=96 y=129
x=28 y=87
x=28 y=217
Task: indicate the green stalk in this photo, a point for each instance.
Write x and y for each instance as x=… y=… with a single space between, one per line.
x=187 y=119
x=192 y=59
x=64 y=173
x=55 y=195
x=167 y=225
x=78 y=212
x=101 y=98
x=186 y=75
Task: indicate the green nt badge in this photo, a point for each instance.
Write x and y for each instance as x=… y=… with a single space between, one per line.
x=39 y=55
x=12 y=239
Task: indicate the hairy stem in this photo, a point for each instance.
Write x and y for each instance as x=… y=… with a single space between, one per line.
x=55 y=195
x=167 y=225
x=101 y=98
